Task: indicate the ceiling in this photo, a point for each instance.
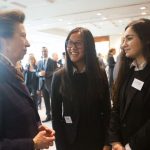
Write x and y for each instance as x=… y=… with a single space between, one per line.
x=58 y=17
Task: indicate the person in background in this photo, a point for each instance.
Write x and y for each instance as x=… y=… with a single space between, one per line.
x=31 y=80
x=111 y=63
x=56 y=59
x=116 y=68
x=130 y=119
x=19 y=66
x=100 y=59
x=117 y=64
x=80 y=96
x=45 y=69
x=20 y=125
x=62 y=60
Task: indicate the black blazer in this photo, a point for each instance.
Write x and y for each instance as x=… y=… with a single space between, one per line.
x=111 y=62
x=97 y=116
x=50 y=68
x=130 y=118
x=18 y=116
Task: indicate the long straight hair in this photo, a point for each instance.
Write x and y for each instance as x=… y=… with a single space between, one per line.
x=97 y=80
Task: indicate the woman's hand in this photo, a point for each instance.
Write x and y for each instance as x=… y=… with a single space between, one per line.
x=43 y=140
x=49 y=132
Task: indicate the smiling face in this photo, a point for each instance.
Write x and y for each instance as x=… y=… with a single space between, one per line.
x=75 y=48
x=16 y=46
x=132 y=44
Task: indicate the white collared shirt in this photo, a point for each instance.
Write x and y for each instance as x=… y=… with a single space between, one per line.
x=138 y=67
x=45 y=64
x=76 y=71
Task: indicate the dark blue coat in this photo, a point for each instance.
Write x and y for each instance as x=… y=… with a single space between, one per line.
x=18 y=116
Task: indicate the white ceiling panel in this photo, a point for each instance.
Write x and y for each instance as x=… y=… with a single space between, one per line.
x=58 y=17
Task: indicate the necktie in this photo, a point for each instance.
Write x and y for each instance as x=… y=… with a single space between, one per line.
x=44 y=63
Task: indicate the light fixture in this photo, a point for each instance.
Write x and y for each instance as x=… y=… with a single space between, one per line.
x=104 y=18
x=98 y=14
x=51 y=1
x=143 y=8
x=143 y=13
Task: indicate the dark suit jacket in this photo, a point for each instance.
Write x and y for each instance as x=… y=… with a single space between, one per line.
x=130 y=119
x=18 y=116
x=96 y=115
x=111 y=61
x=50 y=68
x=111 y=64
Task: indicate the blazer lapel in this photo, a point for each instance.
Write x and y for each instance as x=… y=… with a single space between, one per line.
x=121 y=97
x=46 y=64
x=24 y=91
x=17 y=84
x=133 y=91
x=122 y=94
x=129 y=98
x=10 y=75
x=22 y=88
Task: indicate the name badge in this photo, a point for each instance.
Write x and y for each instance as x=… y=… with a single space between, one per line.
x=137 y=84
x=68 y=119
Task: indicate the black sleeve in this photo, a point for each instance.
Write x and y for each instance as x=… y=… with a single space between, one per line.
x=51 y=67
x=57 y=110
x=111 y=62
x=114 y=125
x=141 y=139
x=106 y=108
x=16 y=144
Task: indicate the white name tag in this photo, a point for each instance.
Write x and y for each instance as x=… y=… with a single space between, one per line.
x=68 y=119
x=137 y=84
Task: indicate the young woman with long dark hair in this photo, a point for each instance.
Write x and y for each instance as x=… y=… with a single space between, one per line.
x=130 y=119
x=80 y=96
